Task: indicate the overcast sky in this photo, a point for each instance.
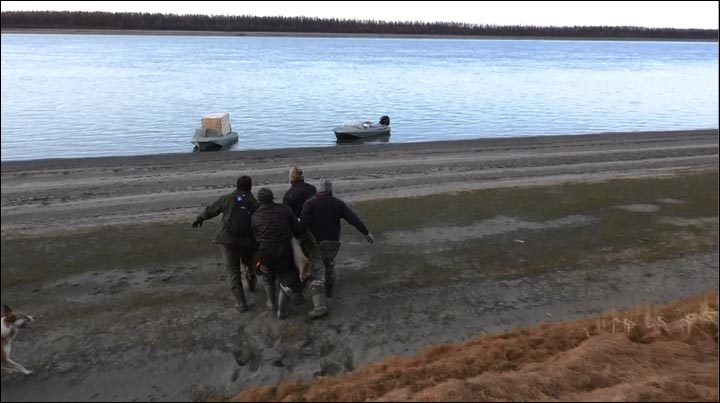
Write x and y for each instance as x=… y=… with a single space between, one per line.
x=674 y=14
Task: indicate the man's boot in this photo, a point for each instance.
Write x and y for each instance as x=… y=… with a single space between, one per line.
x=271 y=303
x=320 y=303
x=252 y=282
x=240 y=301
x=283 y=309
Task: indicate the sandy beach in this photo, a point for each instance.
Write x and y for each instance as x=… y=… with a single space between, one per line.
x=473 y=237
x=65 y=194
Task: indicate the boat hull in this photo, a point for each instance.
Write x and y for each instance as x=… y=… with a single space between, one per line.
x=344 y=135
x=214 y=143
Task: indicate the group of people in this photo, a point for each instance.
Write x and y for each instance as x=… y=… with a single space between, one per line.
x=257 y=233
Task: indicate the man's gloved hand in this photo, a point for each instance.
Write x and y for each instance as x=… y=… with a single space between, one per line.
x=197 y=223
x=370 y=238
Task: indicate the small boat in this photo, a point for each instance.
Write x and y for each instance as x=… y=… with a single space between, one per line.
x=211 y=139
x=215 y=132
x=363 y=130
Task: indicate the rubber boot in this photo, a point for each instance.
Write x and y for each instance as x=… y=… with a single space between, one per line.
x=283 y=305
x=252 y=282
x=240 y=301
x=271 y=303
x=320 y=303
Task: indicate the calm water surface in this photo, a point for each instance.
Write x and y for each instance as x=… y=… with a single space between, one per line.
x=98 y=95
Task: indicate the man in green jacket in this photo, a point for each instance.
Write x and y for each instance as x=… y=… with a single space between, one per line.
x=236 y=237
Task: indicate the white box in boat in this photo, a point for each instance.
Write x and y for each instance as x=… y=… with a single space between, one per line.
x=217 y=121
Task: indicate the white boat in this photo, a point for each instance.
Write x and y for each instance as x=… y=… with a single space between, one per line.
x=364 y=130
x=215 y=133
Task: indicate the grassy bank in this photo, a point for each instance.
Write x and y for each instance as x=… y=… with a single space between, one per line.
x=616 y=221
x=666 y=353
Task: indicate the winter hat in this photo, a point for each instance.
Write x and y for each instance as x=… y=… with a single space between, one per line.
x=326 y=185
x=265 y=196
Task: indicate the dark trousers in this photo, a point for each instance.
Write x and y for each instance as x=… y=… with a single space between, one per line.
x=234 y=254
x=276 y=261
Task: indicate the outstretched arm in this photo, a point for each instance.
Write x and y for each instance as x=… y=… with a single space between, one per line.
x=210 y=211
x=349 y=215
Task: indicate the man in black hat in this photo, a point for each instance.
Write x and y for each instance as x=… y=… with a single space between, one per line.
x=235 y=237
x=274 y=226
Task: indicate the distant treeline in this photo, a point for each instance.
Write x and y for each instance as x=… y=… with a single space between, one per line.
x=246 y=23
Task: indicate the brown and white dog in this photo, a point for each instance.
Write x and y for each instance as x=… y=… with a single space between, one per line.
x=11 y=325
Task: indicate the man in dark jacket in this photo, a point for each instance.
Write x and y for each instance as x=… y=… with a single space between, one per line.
x=299 y=191
x=236 y=237
x=274 y=226
x=295 y=197
x=321 y=215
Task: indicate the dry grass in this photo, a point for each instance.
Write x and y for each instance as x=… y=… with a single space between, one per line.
x=668 y=353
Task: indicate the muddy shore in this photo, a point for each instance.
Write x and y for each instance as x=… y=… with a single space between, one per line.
x=472 y=237
x=65 y=194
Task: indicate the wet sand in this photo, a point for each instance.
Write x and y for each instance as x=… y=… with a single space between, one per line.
x=65 y=194
x=472 y=237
